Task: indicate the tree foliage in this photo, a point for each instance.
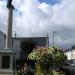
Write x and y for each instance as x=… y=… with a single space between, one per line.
x=48 y=57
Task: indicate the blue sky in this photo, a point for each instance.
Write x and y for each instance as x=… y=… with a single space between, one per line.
x=51 y=2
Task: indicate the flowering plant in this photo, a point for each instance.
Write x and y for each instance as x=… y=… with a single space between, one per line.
x=48 y=57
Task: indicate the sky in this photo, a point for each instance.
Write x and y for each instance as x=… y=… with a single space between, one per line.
x=42 y=17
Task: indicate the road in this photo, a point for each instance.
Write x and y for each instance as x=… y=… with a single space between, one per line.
x=69 y=70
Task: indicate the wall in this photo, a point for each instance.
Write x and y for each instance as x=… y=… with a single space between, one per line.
x=41 y=41
x=73 y=54
x=2 y=40
x=16 y=47
x=69 y=55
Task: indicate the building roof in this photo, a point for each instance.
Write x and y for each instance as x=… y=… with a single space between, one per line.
x=28 y=37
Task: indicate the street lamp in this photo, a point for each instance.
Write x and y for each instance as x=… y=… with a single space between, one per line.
x=54 y=37
x=47 y=39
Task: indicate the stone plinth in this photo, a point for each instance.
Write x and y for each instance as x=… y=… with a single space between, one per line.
x=6 y=72
x=7 y=62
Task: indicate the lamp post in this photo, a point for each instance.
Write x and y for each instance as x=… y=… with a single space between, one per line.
x=54 y=37
x=47 y=40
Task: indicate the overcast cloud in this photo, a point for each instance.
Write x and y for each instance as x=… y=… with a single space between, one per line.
x=33 y=18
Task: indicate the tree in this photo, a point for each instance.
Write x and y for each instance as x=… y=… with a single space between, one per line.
x=48 y=58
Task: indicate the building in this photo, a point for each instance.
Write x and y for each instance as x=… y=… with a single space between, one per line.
x=2 y=40
x=16 y=42
x=40 y=41
x=70 y=55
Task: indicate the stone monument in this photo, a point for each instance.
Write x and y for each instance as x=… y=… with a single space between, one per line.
x=7 y=55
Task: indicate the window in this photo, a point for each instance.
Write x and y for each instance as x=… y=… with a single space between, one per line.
x=5 y=61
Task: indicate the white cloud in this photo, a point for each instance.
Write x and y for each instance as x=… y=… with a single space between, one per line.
x=64 y=13
x=32 y=18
